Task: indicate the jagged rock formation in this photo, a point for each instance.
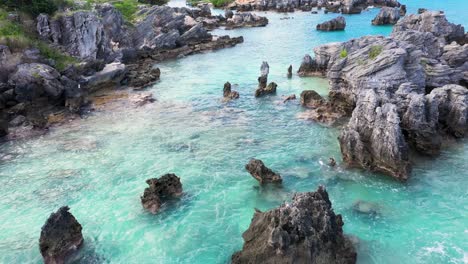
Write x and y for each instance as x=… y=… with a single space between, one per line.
x=264 y=89
x=290 y=71
x=310 y=67
x=304 y=231
x=60 y=237
x=245 y=20
x=262 y=173
x=310 y=98
x=338 y=23
x=387 y=16
x=320 y=109
x=228 y=94
x=160 y=189
x=344 y=6
x=390 y=85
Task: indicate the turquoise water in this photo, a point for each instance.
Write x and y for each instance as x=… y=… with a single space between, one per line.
x=98 y=166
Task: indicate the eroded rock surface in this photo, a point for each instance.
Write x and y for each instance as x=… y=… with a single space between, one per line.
x=395 y=87
x=387 y=16
x=228 y=94
x=338 y=23
x=160 y=190
x=60 y=237
x=262 y=173
x=303 y=231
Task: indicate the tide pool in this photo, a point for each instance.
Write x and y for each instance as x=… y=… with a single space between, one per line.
x=98 y=165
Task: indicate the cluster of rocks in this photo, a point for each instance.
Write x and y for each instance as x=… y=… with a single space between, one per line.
x=264 y=89
x=336 y=6
x=320 y=110
x=389 y=15
x=229 y=94
x=109 y=52
x=404 y=91
x=338 y=23
x=303 y=231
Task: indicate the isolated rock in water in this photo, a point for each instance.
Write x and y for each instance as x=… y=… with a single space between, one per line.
x=228 y=93
x=374 y=140
x=263 y=79
x=263 y=174
x=368 y=208
x=338 y=23
x=60 y=236
x=289 y=98
x=310 y=98
x=159 y=190
x=290 y=71
x=270 y=89
x=387 y=16
x=303 y=231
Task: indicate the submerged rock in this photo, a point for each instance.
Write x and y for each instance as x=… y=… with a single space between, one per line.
x=261 y=173
x=338 y=23
x=60 y=237
x=159 y=190
x=228 y=94
x=387 y=16
x=304 y=231
x=367 y=208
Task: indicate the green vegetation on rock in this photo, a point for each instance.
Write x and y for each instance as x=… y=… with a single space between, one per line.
x=375 y=51
x=343 y=53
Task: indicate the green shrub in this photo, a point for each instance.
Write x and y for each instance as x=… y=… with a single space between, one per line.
x=343 y=53
x=154 y=2
x=375 y=51
x=61 y=60
x=127 y=8
x=220 y=3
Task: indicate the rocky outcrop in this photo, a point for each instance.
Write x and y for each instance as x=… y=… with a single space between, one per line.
x=228 y=94
x=310 y=67
x=262 y=173
x=320 y=110
x=387 y=16
x=338 y=23
x=245 y=20
x=160 y=190
x=387 y=83
x=310 y=98
x=111 y=75
x=289 y=71
x=264 y=89
x=60 y=237
x=344 y=6
x=303 y=231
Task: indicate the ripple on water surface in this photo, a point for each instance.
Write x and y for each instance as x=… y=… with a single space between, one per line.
x=98 y=166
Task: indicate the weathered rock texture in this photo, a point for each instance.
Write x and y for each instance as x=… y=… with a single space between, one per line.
x=304 y=231
x=160 y=190
x=60 y=237
x=387 y=16
x=338 y=23
x=264 y=89
x=262 y=173
x=246 y=20
x=399 y=90
x=344 y=6
x=228 y=94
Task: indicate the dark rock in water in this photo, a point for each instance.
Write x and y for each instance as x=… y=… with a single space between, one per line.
x=331 y=162
x=421 y=10
x=245 y=20
x=263 y=174
x=304 y=231
x=290 y=71
x=60 y=237
x=338 y=23
x=310 y=98
x=263 y=88
x=159 y=190
x=228 y=94
x=387 y=16
x=289 y=98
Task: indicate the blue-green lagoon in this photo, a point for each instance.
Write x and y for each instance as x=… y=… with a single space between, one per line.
x=98 y=165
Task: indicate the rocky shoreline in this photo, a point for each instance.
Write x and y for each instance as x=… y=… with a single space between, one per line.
x=406 y=91
x=109 y=52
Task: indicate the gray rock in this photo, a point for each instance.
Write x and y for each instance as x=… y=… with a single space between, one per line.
x=303 y=231
x=195 y=35
x=228 y=94
x=338 y=23
x=17 y=121
x=32 y=80
x=112 y=75
x=310 y=98
x=387 y=16
x=246 y=20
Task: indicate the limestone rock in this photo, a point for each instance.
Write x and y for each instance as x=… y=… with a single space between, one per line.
x=387 y=16
x=338 y=23
x=160 y=190
x=262 y=173
x=303 y=231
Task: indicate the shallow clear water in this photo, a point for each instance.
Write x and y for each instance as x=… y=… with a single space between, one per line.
x=98 y=166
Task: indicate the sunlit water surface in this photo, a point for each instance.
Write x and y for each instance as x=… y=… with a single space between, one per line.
x=98 y=166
